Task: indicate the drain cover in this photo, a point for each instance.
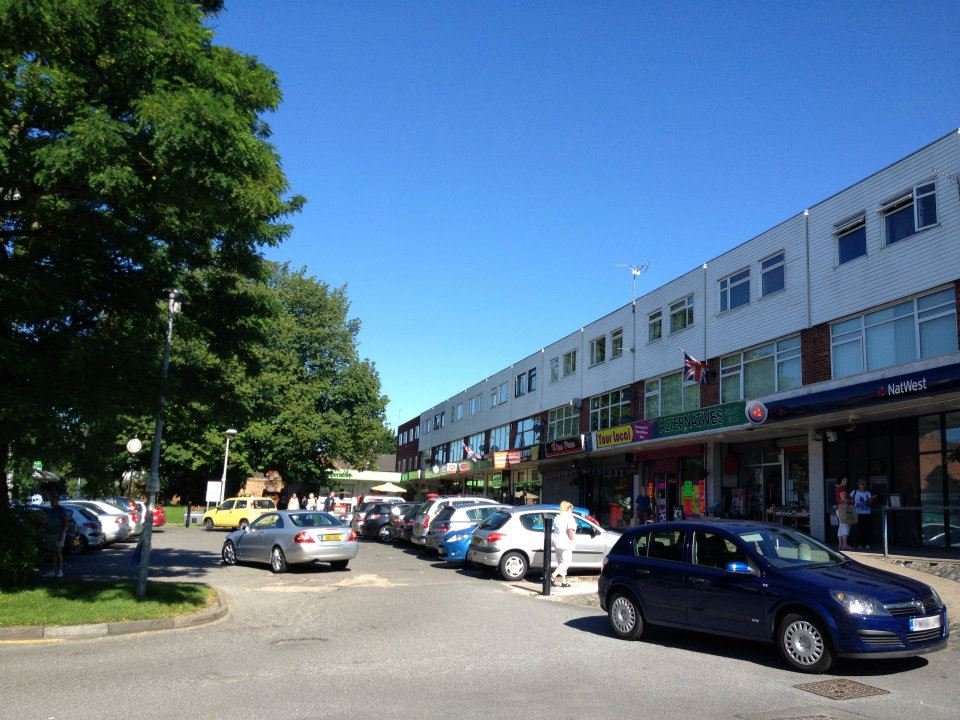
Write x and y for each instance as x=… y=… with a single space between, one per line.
x=841 y=689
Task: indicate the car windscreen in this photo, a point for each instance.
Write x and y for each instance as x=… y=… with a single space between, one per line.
x=786 y=548
x=314 y=519
x=495 y=521
x=424 y=507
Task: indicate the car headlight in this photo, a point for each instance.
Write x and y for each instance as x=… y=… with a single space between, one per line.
x=858 y=604
x=458 y=538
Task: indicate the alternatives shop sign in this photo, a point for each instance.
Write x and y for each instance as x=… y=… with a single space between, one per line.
x=711 y=418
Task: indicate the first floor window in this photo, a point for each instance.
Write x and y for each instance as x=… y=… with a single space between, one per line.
x=528 y=432
x=909 y=213
x=609 y=410
x=532 y=379
x=735 y=290
x=851 y=239
x=598 y=350
x=563 y=422
x=669 y=395
x=681 y=314
x=616 y=343
x=569 y=363
x=760 y=371
x=520 y=385
x=500 y=438
x=476 y=443
x=654 y=325
x=554 y=369
x=925 y=326
x=772 y=277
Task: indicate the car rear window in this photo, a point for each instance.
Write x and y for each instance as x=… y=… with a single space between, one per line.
x=263 y=504
x=495 y=521
x=314 y=519
x=445 y=514
x=424 y=507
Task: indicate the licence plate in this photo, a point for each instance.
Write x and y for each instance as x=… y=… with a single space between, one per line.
x=925 y=623
x=334 y=538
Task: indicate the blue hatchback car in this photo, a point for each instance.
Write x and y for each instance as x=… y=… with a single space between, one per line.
x=767 y=582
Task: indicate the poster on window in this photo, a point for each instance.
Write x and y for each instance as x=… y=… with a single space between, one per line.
x=692 y=498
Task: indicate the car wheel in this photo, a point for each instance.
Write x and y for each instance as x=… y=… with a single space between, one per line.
x=243 y=524
x=229 y=553
x=384 y=534
x=513 y=566
x=625 y=617
x=278 y=561
x=208 y=524
x=339 y=564
x=803 y=644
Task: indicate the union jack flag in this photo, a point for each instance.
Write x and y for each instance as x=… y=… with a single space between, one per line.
x=693 y=369
x=468 y=451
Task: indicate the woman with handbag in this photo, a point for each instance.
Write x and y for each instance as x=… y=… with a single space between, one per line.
x=842 y=500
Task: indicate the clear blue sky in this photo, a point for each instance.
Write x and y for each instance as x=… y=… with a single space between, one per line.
x=476 y=170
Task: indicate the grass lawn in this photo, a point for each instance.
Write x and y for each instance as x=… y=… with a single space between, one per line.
x=176 y=513
x=79 y=602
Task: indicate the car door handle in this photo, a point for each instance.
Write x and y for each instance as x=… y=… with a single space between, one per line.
x=639 y=572
x=697 y=581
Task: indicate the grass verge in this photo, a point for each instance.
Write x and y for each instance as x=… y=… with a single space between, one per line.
x=81 y=602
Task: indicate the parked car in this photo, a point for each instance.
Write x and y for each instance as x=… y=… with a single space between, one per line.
x=356 y=519
x=383 y=520
x=761 y=581
x=89 y=528
x=159 y=514
x=458 y=516
x=131 y=507
x=288 y=537
x=72 y=543
x=428 y=511
x=405 y=525
x=237 y=512
x=511 y=541
x=115 y=522
x=455 y=543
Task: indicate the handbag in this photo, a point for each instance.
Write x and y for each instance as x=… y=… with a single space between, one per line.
x=848 y=514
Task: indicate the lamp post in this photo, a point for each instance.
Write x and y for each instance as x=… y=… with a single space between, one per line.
x=153 y=484
x=231 y=433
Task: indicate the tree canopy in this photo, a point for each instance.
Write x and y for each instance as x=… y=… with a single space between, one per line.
x=133 y=158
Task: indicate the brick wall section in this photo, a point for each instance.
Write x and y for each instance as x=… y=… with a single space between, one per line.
x=710 y=392
x=815 y=354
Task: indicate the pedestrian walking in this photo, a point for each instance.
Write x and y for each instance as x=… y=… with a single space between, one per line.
x=311 y=502
x=843 y=527
x=563 y=539
x=330 y=502
x=294 y=502
x=643 y=508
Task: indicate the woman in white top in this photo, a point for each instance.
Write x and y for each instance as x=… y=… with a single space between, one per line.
x=564 y=536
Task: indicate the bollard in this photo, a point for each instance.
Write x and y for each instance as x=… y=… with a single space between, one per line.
x=547 y=552
x=186 y=516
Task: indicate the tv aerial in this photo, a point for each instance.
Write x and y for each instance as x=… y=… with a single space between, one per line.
x=636 y=271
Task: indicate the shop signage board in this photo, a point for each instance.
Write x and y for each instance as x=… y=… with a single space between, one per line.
x=564 y=447
x=711 y=418
x=622 y=434
x=505 y=458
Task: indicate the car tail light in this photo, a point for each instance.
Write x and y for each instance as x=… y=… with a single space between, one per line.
x=303 y=537
x=426 y=522
x=442 y=527
x=372 y=516
x=592 y=519
x=90 y=526
x=495 y=536
x=120 y=520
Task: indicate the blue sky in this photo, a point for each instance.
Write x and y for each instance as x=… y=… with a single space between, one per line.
x=475 y=171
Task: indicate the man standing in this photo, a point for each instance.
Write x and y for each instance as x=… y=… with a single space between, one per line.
x=56 y=535
x=330 y=502
x=864 y=527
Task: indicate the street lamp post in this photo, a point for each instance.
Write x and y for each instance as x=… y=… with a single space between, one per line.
x=231 y=433
x=153 y=484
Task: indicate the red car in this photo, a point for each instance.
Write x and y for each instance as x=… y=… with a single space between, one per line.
x=159 y=514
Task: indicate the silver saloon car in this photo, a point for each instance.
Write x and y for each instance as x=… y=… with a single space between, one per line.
x=288 y=537
x=511 y=542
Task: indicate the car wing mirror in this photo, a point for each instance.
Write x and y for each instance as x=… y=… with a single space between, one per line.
x=739 y=567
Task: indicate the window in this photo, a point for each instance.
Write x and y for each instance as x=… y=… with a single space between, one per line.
x=772 y=279
x=610 y=409
x=654 y=325
x=910 y=213
x=520 y=385
x=598 y=350
x=851 y=239
x=563 y=422
x=760 y=371
x=458 y=412
x=456 y=450
x=681 y=314
x=440 y=456
x=474 y=403
x=923 y=327
x=532 y=379
x=498 y=395
x=500 y=438
x=666 y=544
x=416 y=433
x=476 y=443
x=528 y=432
x=616 y=343
x=569 y=363
x=735 y=290
x=554 y=369
x=438 y=421
x=669 y=395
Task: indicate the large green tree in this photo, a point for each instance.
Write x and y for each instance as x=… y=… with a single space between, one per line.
x=311 y=402
x=133 y=158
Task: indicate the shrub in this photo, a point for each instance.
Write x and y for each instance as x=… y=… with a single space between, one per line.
x=21 y=537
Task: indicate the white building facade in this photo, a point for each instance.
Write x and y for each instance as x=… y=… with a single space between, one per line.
x=836 y=329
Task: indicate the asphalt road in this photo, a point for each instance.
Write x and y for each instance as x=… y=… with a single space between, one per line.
x=399 y=635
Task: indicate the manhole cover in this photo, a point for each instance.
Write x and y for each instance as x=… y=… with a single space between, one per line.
x=841 y=689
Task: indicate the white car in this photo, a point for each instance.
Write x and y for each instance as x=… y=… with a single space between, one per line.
x=511 y=542
x=428 y=511
x=115 y=522
x=89 y=527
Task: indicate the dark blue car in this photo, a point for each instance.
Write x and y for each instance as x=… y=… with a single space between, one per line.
x=767 y=582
